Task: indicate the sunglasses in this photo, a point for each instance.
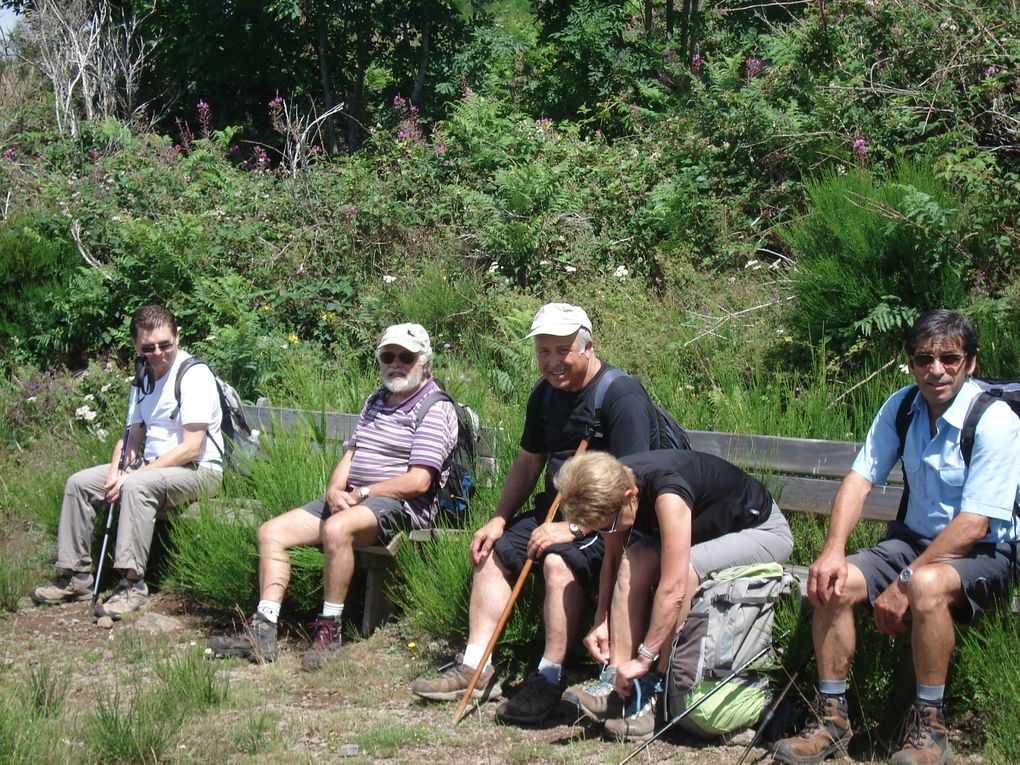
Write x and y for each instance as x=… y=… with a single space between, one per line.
x=406 y=357
x=611 y=528
x=165 y=345
x=948 y=360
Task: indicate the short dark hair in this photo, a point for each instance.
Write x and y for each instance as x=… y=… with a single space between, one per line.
x=148 y=317
x=943 y=323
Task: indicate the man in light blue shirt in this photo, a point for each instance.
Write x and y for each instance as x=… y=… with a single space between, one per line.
x=947 y=558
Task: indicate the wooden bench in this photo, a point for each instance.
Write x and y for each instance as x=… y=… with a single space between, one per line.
x=377 y=561
x=803 y=474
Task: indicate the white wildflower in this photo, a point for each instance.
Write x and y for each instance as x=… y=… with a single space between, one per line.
x=101 y=434
x=752 y=265
x=89 y=397
x=569 y=269
x=621 y=272
x=30 y=398
x=494 y=267
x=105 y=388
x=387 y=279
x=904 y=369
x=84 y=413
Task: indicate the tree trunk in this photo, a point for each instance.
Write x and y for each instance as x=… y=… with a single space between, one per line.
x=324 y=78
x=423 y=62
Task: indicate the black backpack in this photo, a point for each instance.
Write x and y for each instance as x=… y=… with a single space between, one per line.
x=671 y=434
x=240 y=444
x=455 y=496
x=992 y=391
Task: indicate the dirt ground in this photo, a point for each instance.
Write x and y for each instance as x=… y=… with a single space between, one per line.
x=358 y=710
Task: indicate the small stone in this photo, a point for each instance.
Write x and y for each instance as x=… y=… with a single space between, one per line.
x=348 y=750
x=157 y=623
x=104 y=622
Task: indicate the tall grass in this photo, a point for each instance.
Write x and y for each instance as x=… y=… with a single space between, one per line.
x=139 y=731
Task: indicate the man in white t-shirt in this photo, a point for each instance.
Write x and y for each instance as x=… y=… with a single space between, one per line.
x=173 y=456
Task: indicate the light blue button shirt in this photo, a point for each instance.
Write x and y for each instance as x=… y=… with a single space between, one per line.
x=941 y=484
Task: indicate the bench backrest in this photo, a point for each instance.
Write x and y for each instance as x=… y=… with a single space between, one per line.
x=803 y=473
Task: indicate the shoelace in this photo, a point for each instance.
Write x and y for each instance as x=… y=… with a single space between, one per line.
x=325 y=631
x=915 y=732
x=645 y=690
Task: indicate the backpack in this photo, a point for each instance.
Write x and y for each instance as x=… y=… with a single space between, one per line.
x=240 y=443
x=671 y=434
x=730 y=621
x=992 y=391
x=454 y=497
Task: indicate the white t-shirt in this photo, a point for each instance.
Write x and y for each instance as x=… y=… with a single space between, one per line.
x=200 y=403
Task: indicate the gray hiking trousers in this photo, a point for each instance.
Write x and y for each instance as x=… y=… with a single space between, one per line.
x=143 y=497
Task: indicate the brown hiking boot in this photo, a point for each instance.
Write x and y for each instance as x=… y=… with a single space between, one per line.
x=827 y=733
x=452 y=683
x=535 y=700
x=640 y=711
x=596 y=699
x=256 y=642
x=924 y=740
x=325 y=644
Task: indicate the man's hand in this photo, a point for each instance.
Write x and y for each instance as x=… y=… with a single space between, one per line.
x=339 y=499
x=112 y=486
x=597 y=642
x=485 y=538
x=890 y=608
x=546 y=535
x=628 y=672
x=826 y=577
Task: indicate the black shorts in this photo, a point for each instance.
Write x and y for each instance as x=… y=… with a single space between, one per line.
x=984 y=571
x=583 y=557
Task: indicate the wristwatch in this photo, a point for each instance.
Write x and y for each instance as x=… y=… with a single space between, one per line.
x=576 y=530
x=364 y=491
x=905 y=574
x=644 y=653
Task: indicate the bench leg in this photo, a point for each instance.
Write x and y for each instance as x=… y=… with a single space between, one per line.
x=378 y=605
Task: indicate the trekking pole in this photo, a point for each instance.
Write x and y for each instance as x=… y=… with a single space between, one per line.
x=505 y=617
x=121 y=464
x=771 y=711
x=697 y=703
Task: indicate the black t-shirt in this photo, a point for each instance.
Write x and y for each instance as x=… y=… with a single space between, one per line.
x=722 y=497
x=556 y=421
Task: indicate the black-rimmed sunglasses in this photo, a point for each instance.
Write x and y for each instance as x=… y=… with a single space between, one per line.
x=164 y=345
x=406 y=357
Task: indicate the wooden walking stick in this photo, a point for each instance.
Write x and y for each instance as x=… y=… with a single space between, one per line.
x=459 y=712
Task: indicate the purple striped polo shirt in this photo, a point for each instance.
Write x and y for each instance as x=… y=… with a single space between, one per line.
x=386 y=444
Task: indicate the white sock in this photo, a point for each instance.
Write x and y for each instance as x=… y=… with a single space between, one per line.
x=332 y=609
x=473 y=655
x=550 y=671
x=269 y=609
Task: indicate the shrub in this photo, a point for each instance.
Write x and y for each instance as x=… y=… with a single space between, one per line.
x=875 y=252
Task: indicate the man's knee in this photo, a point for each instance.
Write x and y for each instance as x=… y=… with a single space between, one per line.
x=934 y=587
x=557 y=574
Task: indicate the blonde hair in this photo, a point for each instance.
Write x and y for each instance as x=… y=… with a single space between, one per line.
x=591 y=487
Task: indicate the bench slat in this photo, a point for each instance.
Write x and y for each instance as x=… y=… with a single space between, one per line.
x=805 y=456
x=795 y=494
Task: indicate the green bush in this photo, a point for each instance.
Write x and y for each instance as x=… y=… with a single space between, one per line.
x=875 y=252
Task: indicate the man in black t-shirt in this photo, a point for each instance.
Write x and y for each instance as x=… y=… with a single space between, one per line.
x=679 y=515
x=560 y=410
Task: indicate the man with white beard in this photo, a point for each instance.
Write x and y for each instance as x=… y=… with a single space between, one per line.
x=386 y=482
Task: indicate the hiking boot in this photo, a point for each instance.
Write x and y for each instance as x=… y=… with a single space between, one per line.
x=127 y=597
x=534 y=701
x=66 y=589
x=637 y=724
x=325 y=644
x=597 y=700
x=827 y=733
x=451 y=684
x=924 y=742
x=256 y=642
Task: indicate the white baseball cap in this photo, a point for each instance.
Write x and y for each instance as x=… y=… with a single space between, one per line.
x=559 y=319
x=413 y=337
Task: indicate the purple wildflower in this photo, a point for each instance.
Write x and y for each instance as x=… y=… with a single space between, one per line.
x=752 y=67
x=670 y=53
x=350 y=211
x=860 y=147
x=276 y=113
x=204 y=118
x=9 y=154
x=991 y=71
x=697 y=62
x=440 y=149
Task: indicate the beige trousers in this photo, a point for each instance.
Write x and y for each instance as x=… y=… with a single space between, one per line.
x=143 y=497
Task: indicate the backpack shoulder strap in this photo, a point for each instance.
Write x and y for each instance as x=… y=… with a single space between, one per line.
x=903 y=418
x=977 y=409
x=187 y=364
x=428 y=402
